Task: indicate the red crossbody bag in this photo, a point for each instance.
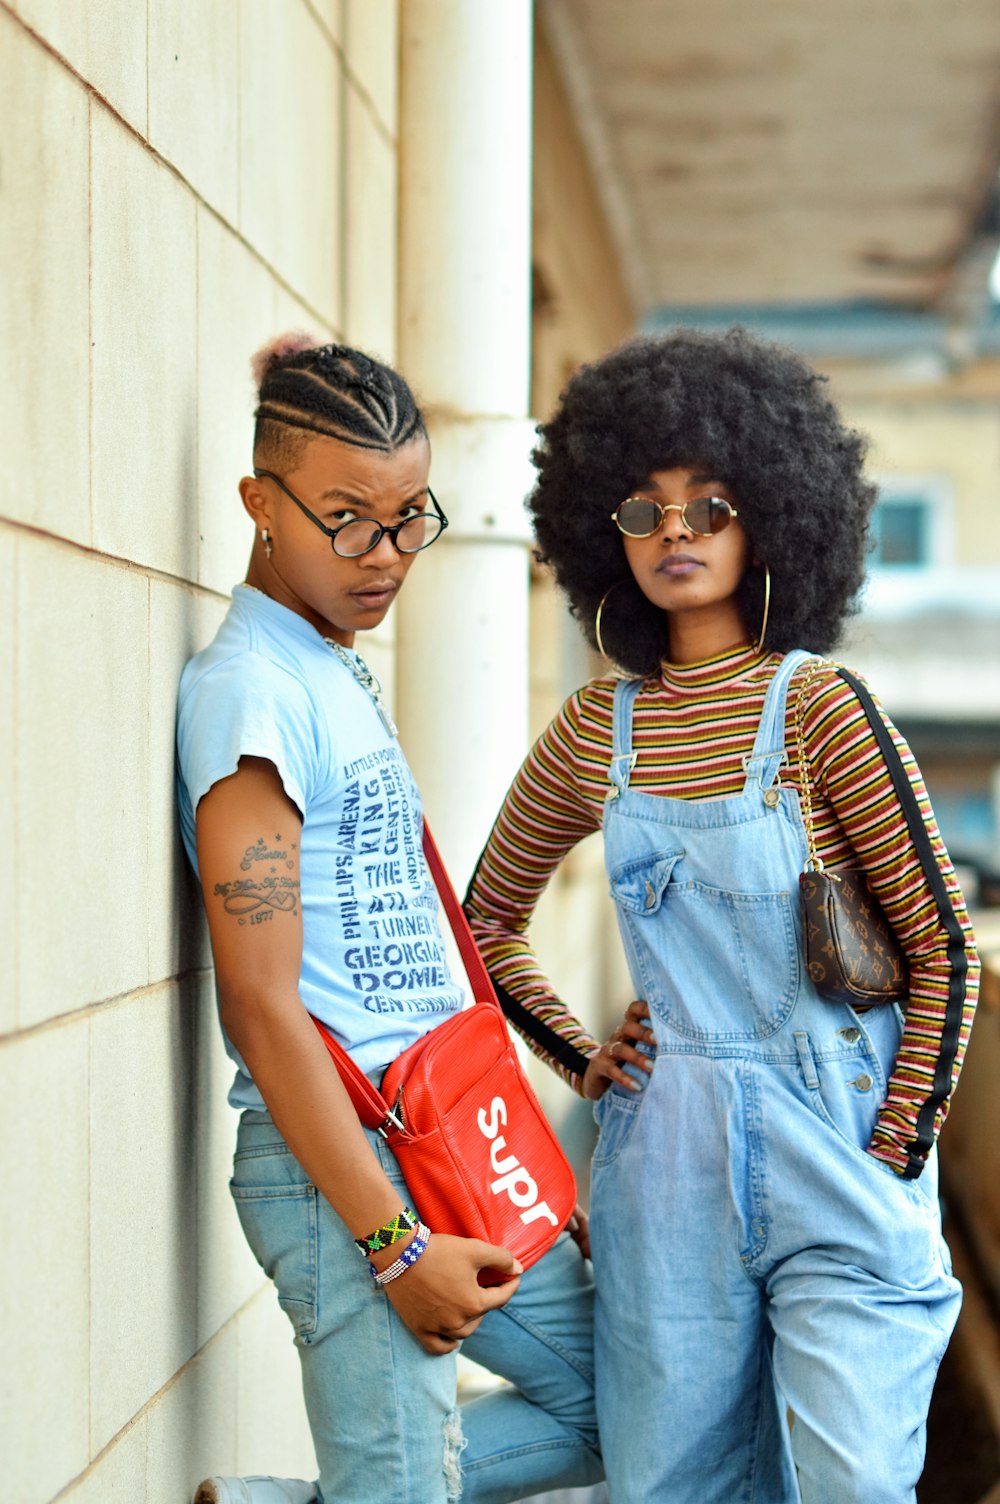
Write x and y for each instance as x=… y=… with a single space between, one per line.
x=477 y=1152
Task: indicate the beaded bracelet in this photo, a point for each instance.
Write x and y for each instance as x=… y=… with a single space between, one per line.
x=406 y=1260
x=390 y=1232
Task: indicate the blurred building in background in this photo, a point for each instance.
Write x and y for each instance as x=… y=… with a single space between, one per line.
x=487 y=195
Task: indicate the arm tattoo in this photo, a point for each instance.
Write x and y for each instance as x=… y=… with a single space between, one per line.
x=255 y=899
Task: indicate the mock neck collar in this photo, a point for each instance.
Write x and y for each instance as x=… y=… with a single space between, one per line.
x=724 y=668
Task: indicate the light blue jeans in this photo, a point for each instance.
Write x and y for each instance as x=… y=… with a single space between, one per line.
x=383 y=1411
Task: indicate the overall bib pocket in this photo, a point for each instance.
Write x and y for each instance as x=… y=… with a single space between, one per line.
x=730 y=961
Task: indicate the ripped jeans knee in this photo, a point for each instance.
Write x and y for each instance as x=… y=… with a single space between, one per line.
x=454 y=1446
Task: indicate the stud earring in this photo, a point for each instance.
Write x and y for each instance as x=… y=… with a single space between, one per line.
x=266 y=538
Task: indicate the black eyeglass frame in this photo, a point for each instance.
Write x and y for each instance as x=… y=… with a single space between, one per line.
x=331 y=532
x=672 y=506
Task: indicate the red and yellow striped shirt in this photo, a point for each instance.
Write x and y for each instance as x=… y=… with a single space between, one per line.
x=692 y=726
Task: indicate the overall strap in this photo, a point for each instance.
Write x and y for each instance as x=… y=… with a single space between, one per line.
x=622 y=757
x=769 y=754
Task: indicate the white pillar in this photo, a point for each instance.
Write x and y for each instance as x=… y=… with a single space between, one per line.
x=464 y=344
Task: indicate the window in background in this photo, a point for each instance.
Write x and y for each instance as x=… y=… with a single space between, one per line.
x=911 y=523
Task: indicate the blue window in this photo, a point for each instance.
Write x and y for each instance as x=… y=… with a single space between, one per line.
x=901 y=532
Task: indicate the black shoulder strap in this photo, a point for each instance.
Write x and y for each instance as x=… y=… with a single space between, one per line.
x=957 y=958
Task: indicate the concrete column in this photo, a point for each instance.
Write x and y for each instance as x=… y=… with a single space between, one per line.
x=464 y=344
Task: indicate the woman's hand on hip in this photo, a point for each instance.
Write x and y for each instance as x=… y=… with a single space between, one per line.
x=605 y=1067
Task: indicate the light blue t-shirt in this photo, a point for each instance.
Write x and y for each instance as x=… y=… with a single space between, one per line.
x=373 y=962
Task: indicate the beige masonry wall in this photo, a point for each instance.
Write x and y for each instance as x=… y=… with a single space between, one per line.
x=956 y=439
x=178 y=181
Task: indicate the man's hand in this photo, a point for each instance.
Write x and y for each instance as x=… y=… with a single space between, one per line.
x=440 y=1298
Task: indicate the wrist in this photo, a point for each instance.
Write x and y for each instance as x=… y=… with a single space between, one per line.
x=389 y=1234
x=414 y=1249
x=579 y=1081
x=889 y=1150
x=386 y=1256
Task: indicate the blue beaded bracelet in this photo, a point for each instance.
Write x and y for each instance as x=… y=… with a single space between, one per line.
x=416 y=1246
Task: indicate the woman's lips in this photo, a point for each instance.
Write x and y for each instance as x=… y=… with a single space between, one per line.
x=678 y=565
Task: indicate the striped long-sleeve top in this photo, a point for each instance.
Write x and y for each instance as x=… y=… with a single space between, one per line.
x=692 y=725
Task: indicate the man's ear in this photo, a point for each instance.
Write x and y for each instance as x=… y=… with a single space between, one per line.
x=257 y=501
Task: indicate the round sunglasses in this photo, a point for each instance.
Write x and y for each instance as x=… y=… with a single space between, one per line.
x=641 y=516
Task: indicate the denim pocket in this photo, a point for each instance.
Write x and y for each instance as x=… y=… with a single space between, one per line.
x=616 y=1114
x=846 y=1099
x=277 y=1207
x=849 y=1138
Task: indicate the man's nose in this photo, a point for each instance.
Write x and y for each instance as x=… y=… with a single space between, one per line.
x=383 y=554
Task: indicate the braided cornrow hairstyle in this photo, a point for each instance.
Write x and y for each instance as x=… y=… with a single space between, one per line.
x=305 y=388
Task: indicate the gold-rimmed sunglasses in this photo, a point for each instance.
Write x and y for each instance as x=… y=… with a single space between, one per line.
x=641 y=516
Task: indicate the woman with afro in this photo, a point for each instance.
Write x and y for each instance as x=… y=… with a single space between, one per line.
x=774 y=1294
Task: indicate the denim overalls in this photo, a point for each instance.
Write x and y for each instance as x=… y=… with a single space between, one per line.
x=751 y=1257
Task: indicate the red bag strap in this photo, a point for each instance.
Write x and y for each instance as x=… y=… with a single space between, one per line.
x=482 y=988
x=369 y=1103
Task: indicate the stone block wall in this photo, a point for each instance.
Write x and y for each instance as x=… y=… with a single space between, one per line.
x=178 y=181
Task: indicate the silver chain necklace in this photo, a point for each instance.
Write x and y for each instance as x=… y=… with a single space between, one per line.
x=369 y=682
x=359 y=669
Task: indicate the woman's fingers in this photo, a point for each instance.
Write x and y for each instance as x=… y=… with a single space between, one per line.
x=600 y=1073
x=635 y=1021
x=606 y=1063
x=603 y=1070
x=634 y=1024
x=630 y=1030
x=620 y=1048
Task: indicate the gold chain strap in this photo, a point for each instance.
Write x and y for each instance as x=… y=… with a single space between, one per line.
x=814 y=862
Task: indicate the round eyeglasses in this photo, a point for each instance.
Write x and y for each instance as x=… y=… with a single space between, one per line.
x=641 y=516
x=359 y=535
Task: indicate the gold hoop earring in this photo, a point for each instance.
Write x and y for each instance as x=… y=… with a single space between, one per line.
x=266 y=539
x=597 y=620
x=767 y=607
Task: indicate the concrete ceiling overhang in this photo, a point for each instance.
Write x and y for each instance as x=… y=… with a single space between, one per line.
x=792 y=152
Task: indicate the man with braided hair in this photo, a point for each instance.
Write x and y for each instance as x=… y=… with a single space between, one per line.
x=302 y=820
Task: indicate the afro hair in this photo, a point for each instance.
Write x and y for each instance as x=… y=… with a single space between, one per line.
x=754 y=415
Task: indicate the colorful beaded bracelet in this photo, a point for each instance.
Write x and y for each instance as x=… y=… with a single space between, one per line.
x=407 y=1258
x=390 y=1232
